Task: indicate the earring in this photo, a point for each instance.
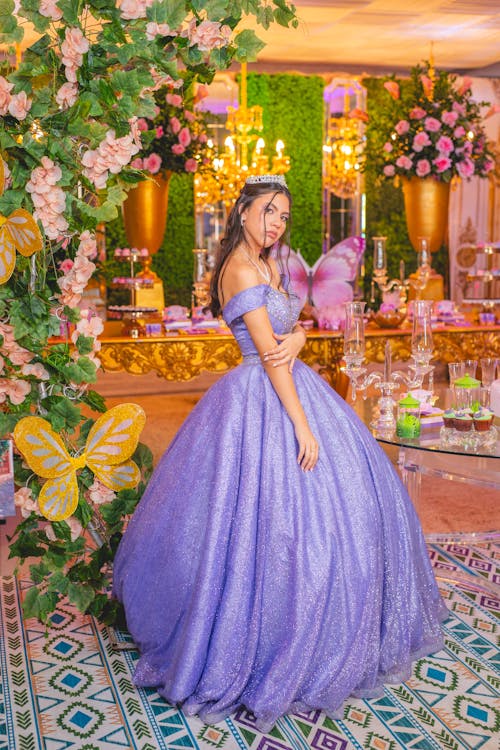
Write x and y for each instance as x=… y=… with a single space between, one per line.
x=242 y=222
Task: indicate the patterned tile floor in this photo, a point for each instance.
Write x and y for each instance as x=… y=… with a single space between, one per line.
x=67 y=687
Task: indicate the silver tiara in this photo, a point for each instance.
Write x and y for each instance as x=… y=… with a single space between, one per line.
x=255 y=179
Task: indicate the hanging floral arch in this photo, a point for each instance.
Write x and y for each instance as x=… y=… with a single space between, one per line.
x=70 y=116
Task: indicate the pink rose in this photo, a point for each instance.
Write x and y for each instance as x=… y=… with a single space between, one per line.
x=420 y=141
x=457 y=107
x=50 y=9
x=191 y=165
x=442 y=163
x=488 y=165
x=159 y=131
x=132 y=9
x=417 y=113
x=449 y=118
x=389 y=170
x=208 y=35
x=393 y=88
x=432 y=125
x=18 y=390
x=5 y=95
x=175 y=100
x=37 y=370
x=402 y=127
x=154 y=29
x=152 y=163
x=388 y=147
x=175 y=125
x=87 y=245
x=459 y=132
x=178 y=149
x=444 y=145
x=465 y=168
x=184 y=137
x=190 y=116
x=137 y=163
x=142 y=124
x=203 y=138
x=98 y=493
x=24 y=500
x=423 y=168
x=66 y=265
x=403 y=162
x=67 y=95
x=19 y=105
x=75 y=527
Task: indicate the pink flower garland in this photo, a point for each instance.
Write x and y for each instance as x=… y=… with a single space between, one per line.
x=75 y=279
x=49 y=200
x=110 y=156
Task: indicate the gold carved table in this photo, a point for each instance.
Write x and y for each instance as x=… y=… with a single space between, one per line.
x=183 y=357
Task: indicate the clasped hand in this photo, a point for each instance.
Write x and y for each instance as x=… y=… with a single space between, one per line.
x=286 y=351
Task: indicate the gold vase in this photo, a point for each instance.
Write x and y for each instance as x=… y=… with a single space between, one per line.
x=426 y=207
x=145 y=212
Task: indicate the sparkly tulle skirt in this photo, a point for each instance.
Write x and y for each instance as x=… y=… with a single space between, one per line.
x=248 y=582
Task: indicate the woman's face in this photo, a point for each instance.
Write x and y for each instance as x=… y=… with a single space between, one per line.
x=265 y=219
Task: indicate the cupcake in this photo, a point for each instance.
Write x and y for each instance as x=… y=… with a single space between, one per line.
x=449 y=418
x=463 y=422
x=483 y=419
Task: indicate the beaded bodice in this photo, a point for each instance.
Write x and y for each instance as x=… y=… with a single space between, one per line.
x=283 y=310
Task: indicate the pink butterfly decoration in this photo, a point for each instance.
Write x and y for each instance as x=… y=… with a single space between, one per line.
x=329 y=282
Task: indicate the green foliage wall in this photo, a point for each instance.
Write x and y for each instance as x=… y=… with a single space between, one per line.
x=293 y=111
x=385 y=213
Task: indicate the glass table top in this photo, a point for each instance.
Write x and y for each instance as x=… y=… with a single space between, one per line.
x=432 y=437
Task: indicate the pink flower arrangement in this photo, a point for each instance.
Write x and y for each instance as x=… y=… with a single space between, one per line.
x=435 y=128
x=175 y=140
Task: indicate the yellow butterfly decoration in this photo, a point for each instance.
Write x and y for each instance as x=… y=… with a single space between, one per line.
x=110 y=443
x=17 y=230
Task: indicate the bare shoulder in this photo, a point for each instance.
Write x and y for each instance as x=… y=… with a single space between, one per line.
x=238 y=275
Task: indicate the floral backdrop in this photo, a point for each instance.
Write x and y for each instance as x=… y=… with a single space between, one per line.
x=72 y=117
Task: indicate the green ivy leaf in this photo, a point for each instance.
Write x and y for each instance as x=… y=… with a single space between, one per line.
x=39 y=573
x=71 y=11
x=83 y=512
x=80 y=595
x=58 y=582
x=175 y=13
x=84 y=344
x=8 y=422
x=30 y=604
x=62 y=413
x=11 y=200
x=248 y=45
x=95 y=401
x=81 y=371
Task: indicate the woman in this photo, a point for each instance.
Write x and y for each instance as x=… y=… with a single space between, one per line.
x=275 y=560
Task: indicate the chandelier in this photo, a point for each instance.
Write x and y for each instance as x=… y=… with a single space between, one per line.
x=343 y=151
x=239 y=158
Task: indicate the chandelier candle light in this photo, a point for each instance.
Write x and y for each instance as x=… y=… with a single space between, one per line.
x=231 y=167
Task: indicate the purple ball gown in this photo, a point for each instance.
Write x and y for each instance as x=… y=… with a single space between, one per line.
x=247 y=581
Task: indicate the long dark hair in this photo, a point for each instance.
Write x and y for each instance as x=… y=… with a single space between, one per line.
x=234 y=233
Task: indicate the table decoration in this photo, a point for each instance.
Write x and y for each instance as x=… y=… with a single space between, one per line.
x=388 y=381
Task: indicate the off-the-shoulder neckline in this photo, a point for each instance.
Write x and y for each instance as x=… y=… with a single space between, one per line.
x=256 y=286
